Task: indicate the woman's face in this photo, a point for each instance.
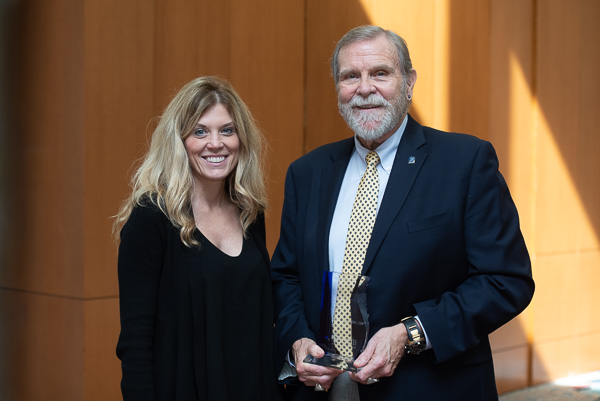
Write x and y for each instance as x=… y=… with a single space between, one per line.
x=213 y=147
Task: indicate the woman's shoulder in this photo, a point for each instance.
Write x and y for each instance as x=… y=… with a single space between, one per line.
x=146 y=215
x=258 y=225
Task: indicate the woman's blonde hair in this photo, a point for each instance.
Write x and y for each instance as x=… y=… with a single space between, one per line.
x=165 y=177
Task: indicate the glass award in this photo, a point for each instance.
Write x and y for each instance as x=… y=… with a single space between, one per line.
x=357 y=341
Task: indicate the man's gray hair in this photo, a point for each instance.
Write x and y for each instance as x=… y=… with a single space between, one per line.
x=368 y=32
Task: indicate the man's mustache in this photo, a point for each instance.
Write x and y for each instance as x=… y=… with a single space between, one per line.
x=372 y=100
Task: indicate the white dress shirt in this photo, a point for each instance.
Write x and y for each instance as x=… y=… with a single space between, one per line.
x=343 y=208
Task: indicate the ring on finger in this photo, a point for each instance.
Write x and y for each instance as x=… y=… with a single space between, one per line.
x=318 y=387
x=372 y=380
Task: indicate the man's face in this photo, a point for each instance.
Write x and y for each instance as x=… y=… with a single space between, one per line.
x=372 y=94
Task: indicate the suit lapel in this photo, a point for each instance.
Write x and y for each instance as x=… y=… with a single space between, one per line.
x=331 y=182
x=407 y=163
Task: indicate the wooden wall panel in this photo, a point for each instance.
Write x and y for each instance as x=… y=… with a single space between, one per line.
x=118 y=70
x=512 y=97
x=267 y=56
x=567 y=226
x=88 y=77
x=118 y=73
x=568 y=89
x=511 y=366
x=510 y=130
x=551 y=362
x=469 y=67
x=413 y=21
x=8 y=70
x=46 y=143
x=101 y=368
x=41 y=343
x=40 y=273
x=323 y=122
x=191 y=38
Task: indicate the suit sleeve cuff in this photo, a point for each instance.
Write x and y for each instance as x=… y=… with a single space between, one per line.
x=288 y=370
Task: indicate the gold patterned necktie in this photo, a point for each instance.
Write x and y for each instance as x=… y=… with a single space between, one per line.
x=361 y=225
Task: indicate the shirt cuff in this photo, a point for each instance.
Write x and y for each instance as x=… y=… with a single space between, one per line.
x=288 y=370
x=427 y=342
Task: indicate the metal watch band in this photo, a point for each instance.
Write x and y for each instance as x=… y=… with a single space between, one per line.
x=416 y=339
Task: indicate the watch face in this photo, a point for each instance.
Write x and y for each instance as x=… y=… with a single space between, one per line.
x=414 y=348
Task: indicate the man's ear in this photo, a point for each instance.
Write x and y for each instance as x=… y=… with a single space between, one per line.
x=412 y=79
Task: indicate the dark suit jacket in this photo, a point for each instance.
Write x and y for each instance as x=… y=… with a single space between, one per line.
x=446 y=246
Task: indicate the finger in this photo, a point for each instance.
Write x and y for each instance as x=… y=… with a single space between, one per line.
x=324 y=380
x=308 y=371
x=377 y=366
x=370 y=370
x=361 y=361
x=299 y=349
x=357 y=378
x=327 y=381
x=366 y=355
x=315 y=351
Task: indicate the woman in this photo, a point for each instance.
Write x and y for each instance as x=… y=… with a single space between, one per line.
x=195 y=293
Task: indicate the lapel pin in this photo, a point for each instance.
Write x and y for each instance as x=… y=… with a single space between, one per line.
x=411 y=160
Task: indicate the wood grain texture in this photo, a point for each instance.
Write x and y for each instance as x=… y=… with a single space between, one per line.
x=86 y=79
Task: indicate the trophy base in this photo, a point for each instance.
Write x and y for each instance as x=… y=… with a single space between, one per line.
x=333 y=361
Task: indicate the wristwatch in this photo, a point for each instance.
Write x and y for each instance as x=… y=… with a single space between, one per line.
x=416 y=338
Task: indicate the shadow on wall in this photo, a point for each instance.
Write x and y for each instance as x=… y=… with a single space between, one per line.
x=8 y=182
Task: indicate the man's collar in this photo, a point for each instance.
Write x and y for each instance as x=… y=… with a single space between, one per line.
x=387 y=149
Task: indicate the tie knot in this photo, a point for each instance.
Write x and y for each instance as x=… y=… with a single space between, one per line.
x=372 y=159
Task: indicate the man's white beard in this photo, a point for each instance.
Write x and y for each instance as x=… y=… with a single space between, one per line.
x=368 y=126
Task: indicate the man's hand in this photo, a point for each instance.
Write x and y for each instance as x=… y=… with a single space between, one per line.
x=310 y=374
x=382 y=354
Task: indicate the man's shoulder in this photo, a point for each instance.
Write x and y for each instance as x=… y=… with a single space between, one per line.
x=450 y=136
x=449 y=141
x=327 y=152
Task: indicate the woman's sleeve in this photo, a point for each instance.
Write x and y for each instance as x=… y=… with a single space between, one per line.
x=140 y=262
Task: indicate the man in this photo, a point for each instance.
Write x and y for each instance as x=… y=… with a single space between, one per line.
x=445 y=250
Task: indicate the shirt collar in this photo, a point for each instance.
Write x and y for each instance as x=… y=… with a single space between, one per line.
x=386 y=151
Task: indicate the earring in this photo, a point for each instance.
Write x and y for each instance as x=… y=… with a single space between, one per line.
x=409 y=97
